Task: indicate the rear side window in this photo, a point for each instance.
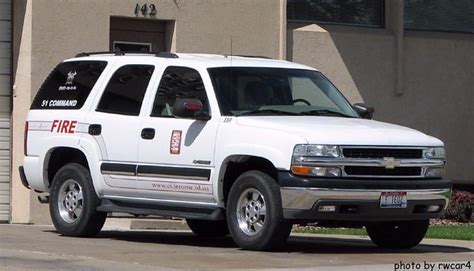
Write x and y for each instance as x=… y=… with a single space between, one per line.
x=68 y=85
x=125 y=91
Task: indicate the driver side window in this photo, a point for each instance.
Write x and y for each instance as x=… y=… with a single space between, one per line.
x=306 y=89
x=178 y=82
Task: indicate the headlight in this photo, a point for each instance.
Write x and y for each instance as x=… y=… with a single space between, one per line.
x=434 y=153
x=330 y=151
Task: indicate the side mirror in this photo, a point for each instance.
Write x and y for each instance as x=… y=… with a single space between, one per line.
x=190 y=109
x=366 y=112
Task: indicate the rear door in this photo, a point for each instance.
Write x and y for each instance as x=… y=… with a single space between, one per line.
x=58 y=111
x=177 y=162
x=116 y=124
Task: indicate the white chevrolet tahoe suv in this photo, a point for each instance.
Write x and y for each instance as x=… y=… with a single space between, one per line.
x=241 y=145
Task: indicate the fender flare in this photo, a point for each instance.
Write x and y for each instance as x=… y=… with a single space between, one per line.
x=277 y=158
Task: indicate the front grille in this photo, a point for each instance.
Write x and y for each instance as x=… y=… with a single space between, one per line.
x=374 y=153
x=381 y=171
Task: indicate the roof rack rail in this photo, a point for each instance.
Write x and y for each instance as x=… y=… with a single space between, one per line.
x=250 y=56
x=83 y=54
x=167 y=55
x=118 y=53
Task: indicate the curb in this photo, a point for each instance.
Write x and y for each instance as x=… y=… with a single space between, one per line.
x=158 y=224
x=127 y=223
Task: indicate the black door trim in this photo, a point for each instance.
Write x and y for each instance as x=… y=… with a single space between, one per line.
x=118 y=169
x=197 y=174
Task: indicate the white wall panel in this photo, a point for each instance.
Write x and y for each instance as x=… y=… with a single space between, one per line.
x=5 y=103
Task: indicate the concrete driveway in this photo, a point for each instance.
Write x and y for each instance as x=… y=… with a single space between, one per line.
x=28 y=247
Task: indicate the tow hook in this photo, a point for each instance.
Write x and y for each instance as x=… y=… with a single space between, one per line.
x=43 y=198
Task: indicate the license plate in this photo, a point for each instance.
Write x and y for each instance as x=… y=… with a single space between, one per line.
x=393 y=200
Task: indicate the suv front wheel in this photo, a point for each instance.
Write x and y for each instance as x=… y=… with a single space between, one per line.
x=73 y=202
x=398 y=234
x=254 y=212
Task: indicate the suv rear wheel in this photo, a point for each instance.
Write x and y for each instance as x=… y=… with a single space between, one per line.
x=398 y=234
x=254 y=212
x=73 y=202
x=208 y=228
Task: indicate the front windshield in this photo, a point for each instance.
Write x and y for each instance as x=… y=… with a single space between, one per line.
x=247 y=91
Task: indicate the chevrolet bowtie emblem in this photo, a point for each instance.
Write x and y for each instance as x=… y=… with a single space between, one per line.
x=389 y=163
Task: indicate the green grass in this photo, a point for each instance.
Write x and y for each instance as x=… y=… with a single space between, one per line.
x=453 y=232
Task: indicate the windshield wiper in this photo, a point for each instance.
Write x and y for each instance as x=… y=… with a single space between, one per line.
x=324 y=112
x=267 y=112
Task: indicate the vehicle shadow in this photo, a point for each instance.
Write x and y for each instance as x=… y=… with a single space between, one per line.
x=348 y=245
x=296 y=244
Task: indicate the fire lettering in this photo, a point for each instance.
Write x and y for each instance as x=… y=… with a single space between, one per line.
x=64 y=126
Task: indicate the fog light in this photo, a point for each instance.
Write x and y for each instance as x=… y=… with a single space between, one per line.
x=433 y=208
x=327 y=209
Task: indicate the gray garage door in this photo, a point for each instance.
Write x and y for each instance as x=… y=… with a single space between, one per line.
x=5 y=106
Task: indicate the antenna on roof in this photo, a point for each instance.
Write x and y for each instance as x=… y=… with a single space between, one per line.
x=231 y=17
x=231 y=53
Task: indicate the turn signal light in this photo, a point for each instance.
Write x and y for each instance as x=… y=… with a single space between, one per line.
x=300 y=170
x=316 y=171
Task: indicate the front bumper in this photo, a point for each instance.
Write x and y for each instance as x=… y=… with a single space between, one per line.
x=359 y=199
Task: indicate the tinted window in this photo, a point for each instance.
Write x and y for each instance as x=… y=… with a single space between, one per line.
x=259 y=91
x=178 y=82
x=68 y=85
x=439 y=15
x=125 y=91
x=369 y=13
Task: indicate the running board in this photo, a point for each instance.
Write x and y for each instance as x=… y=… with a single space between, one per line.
x=166 y=210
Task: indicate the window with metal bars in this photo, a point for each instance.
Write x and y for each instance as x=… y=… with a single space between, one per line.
x=439 y=15
x=367 y=13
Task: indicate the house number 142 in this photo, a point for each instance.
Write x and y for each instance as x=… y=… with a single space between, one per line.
x=145 y=10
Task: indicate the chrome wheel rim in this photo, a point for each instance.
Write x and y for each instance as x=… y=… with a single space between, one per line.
x=70 y=201
x=251 y=211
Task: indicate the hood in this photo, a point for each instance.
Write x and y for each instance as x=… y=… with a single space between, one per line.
x=342 y=131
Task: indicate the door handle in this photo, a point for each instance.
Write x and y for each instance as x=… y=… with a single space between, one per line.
x=95 y=129
x=148 y=133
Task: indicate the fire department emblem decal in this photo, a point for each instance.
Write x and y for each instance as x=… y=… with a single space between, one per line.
x=70 y=77
x=175 y=142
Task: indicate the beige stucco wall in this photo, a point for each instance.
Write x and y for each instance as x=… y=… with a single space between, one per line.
x=313 y=45
x=209 y=26
x=436 y=82
x=49 y=33
x=439 y=95
x=433 y=72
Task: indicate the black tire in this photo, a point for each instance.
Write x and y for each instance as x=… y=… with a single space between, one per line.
x=89 y=222
x=208 y=228
x=275 y=230
x=398 y=234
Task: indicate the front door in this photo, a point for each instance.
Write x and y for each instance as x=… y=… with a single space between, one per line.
x=116 y=124
x=176 y=164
